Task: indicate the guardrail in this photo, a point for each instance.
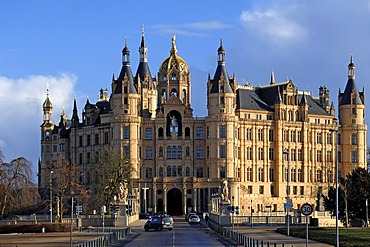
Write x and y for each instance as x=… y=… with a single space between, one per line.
x=242 y=238
x=107 y=239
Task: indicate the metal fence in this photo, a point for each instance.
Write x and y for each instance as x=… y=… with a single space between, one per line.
x=107 y=239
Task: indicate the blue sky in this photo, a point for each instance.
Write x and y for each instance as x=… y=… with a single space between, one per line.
x=75 y=47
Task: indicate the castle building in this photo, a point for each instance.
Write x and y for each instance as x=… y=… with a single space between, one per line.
x=262 y=142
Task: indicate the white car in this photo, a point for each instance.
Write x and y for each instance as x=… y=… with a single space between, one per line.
x=194 y=219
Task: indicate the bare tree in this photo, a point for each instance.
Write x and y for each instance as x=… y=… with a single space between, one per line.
x=17 y=190
x=113 y=168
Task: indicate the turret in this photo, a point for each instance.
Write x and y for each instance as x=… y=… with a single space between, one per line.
x=47 y=107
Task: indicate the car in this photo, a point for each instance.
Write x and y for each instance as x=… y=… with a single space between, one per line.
x=158 y=223
x=188 y=215
x=194 y=219
x=145 y=215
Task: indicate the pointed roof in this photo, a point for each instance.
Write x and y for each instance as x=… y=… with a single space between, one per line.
x=221 y=73
x=174 y=61
x=143 y=70
x=75 y=119
x=351 y=95
x=272 y=79
x=303 y=101
x=125 y=72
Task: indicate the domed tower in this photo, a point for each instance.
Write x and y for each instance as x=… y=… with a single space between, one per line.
x=174 y=79
x=352 y=130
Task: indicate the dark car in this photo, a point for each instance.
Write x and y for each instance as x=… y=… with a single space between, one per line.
x=144 y=215
x=158 y=223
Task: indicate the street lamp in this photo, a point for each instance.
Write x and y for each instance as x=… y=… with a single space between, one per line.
x=51 y=197
x=288 y=204
x=336 y=188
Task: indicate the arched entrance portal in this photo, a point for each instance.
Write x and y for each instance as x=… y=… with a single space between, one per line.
x=174 y=202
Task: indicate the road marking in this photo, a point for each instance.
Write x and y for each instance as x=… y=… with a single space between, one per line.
x=173 y=238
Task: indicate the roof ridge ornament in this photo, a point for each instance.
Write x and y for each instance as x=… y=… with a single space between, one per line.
x=173 y=49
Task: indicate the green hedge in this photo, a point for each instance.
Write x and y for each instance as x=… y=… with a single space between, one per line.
x=35 y=228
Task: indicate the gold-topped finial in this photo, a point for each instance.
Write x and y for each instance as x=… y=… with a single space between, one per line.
x=173 y=49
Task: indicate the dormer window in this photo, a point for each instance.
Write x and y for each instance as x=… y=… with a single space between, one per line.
x=221 y=89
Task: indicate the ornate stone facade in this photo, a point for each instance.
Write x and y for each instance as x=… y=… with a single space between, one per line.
x=254 y=140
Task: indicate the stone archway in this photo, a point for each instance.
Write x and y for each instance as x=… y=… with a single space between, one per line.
x=174 y=202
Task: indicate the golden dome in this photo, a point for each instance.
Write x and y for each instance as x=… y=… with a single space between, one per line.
x=174 y=62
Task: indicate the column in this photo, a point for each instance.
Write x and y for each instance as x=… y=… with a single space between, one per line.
x=184 y=189
x=154 y=199
x=195 y=200
x=145 y=202
x=165 y=200
x=150 y=202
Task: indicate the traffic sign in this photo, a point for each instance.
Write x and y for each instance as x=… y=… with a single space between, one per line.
x=306 y=209
x=288 y=206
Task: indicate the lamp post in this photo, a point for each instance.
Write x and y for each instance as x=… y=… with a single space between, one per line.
x=336 y=188
x=51 y=196
x=288 y=204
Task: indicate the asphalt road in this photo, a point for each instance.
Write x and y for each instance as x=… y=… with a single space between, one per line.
x=183 y=234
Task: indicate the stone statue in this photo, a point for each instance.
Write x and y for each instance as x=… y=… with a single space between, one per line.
x=122 y=192
x=225 y=191
x=173 y=124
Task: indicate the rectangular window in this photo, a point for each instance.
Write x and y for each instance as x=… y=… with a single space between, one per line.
x=96 y=139
x=199 y=152
x=126 y=151
x=354 y=156
x=208 y=152
x=260 y=174
x=261 y=190
x=318 y=137
x=249 y=153
x=126 y=132
x=339 y=156
x=300 y=157
x=339 y=136
x=272 y=190
x=271 y=175
x=260 y=135
x=271 y=153
x=80 y=141
x=250 y=189
x=199 y=133
x=260 y=153
x=248 y=135
x=294 y=190
x=286 y=135
x=148 y=134
x=354 y=139
x=300 y=175
x=292 y=136
x=222 y=100
x=222 y=172
x=301 y=190
x=319 y=156
x=222 y=151
x=88 y=140
x=248 y=174
x=329 y=138
x=106 y=138
x=125 y=100
x=271 y=135
x=148 y=153
x=299 y=136
x=222 y=131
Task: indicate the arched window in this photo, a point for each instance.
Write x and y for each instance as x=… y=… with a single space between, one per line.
x=160 y=132
x=187 y=172
x=168 y=152
x=173 y=156
x=173 y=77
x=296 y=116
x=168 y=171
x=160 y=172
x=179 y=152
x=187 y=151
x=179 y=171
x=160 y=152
x=183 y=97
x=173 y=171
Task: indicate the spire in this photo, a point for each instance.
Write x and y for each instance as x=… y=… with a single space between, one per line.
x=47 y=107
x=221 y=53
x=272 y=79
x=351 y=69
x=173 y=49
x=303 y=100
x=143 y=49
x=75 y=119
x=125 y=54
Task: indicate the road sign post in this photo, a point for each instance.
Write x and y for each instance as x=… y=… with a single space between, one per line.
x=306 y=210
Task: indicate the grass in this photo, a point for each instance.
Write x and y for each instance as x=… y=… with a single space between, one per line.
x=348 y=237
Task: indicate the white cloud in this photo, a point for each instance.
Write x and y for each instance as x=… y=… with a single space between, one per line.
x=272 y=23
x=191 y=29
x=21 y=100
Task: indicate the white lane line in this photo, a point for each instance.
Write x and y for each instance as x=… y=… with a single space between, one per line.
x=173 y=238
